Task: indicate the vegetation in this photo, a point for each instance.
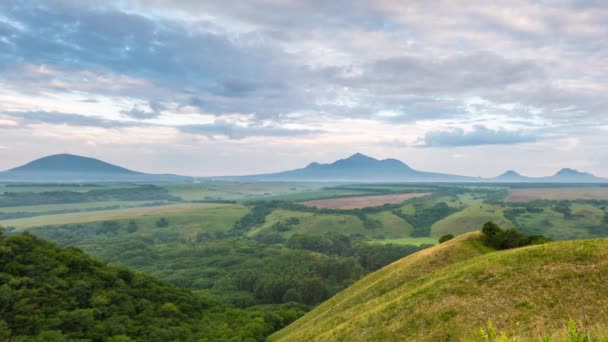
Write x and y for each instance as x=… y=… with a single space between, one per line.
x=231 y=268
x=445 y=238
x=494 y=236
x=449 y=291
x=144 y=192
x=54 y=294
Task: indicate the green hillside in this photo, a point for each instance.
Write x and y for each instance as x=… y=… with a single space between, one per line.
x=49 y=293
x=450 y=291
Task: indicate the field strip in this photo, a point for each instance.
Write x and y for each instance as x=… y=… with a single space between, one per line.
x=103 y=215
x=557 y=194
x=362 y=201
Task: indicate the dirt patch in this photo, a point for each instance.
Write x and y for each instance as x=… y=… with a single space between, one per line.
x=361 y=201
x=557 y=194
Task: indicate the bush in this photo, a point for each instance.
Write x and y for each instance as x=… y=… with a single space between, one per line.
x=162 y=222
x=445 y=238
x=495 y=237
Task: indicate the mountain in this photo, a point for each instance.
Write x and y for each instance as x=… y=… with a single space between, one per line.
x=450 y=291
x=565 y=175
x=71 y=163
x=510 y=177
x=570 y=175
x=359 y=168
x=72 y=168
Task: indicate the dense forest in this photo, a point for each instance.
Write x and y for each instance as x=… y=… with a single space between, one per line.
x=55 y=294
x=305 y=269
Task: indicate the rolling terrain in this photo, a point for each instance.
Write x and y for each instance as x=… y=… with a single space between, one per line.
x=358 y=168
x=451 y=291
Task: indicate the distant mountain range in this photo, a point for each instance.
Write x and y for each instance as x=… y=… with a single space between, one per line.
x=362 y=168
x=71 y=168
x=356 y=168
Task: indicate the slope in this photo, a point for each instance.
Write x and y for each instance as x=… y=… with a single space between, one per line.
x=70 y=163
x=56 y=294
x=450 y=291
x=71 y=168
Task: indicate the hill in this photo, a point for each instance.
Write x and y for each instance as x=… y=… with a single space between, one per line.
x=449 y=292
x=71 y=168
x=565 y=175
x=511 y=177
x=359 y=168
x=57 y=294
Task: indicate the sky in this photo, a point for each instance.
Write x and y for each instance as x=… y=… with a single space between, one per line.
x=241 y=87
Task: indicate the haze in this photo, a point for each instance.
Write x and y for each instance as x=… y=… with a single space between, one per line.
x=217 y=88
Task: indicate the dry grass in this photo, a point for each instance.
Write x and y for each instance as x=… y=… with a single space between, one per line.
x=556 y=194
x=448 y=292
x=361 y=201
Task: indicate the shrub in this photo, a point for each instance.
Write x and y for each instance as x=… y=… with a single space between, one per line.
x=162 y=222
x=495 y=237
x=445 y=238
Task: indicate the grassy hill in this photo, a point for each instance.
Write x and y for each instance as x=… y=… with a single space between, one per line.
x=450 y=291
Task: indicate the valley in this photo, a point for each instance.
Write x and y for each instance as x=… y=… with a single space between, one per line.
x=286 y=248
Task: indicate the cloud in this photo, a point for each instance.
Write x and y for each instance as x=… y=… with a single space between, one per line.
x=480 y=135
x=70 y=119
x=237 y=132
x=154 y=111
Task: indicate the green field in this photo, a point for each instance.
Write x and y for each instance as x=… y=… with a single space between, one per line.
x=471 y=218
x=103 y=215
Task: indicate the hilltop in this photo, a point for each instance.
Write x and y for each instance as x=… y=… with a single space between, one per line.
x=449 y=292
x=70 y=168
x=71 y=163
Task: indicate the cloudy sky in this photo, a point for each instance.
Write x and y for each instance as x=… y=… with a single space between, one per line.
x=238 y=87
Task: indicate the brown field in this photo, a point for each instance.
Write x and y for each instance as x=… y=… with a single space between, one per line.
x=361 y=201
x=557 y=194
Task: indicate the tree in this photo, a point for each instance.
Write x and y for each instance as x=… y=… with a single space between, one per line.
x=445 y=238
x=162 y=222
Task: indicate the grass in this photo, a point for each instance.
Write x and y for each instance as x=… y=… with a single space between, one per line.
x=362 y=201
x=470 y=219
x=556 y=194
x=70 y=206
x=409 y=241
x=313 y=224
x=238 y=191
x=448 y=292
x=103 y=215
x=391 y=227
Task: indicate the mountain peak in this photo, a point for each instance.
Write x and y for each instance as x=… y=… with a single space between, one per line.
x=510 y=173
x=72 y=163
x=360 y=156
x=572 y=172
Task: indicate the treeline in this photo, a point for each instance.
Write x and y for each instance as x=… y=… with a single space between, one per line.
x=139 y=193
x=54 y=294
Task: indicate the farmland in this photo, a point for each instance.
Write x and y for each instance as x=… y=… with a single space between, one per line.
x=558 y=194
x=104 y=215
x=361 y=201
